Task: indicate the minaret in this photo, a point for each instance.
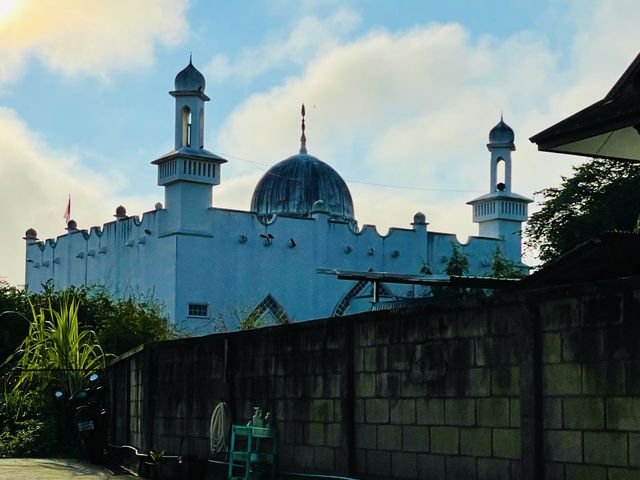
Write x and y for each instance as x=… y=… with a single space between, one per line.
x=500 y=212
x=188 y=172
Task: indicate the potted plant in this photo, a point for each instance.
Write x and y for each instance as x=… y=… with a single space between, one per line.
x=161 y=468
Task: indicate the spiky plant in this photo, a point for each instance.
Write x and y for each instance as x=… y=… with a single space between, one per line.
x=55 y=354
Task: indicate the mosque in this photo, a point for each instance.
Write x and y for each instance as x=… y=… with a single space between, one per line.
x=208 y=264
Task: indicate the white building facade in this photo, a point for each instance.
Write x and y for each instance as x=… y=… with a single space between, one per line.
x=208 y=264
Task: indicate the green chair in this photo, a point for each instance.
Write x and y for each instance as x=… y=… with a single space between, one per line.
x=253 y=450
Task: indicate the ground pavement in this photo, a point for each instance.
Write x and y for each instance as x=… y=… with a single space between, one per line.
x=51 y=468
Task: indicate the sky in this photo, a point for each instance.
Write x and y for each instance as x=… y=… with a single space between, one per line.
x=400 y=97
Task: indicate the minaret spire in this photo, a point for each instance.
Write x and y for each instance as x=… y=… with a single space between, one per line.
x=303 y=138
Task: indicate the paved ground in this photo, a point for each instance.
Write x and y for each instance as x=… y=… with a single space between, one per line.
x=51 y=468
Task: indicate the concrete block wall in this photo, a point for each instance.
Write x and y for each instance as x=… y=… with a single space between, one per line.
x=591 y=383
x=541 y=384
x=437 y=395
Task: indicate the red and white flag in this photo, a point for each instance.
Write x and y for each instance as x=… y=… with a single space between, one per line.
x=67 y=211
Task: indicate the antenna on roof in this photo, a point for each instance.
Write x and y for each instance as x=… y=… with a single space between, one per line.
x=303 y=138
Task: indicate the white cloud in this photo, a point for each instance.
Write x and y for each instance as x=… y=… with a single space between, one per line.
x=91 y=37
x=310 y=37
x=415 y=107
x=35 y=181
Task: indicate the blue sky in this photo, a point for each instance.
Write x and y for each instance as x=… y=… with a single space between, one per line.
x=398 y=93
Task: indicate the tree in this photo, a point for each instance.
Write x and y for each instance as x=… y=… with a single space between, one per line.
x=602 y=195
x=458 y=263
x=502 y=267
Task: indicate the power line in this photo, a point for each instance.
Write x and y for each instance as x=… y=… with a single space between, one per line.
x=362 y=182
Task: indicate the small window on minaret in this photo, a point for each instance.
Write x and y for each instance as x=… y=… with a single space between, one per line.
x=500 y=173
x=186 y=127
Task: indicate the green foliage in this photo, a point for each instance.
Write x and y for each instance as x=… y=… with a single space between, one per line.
x=458 y=263
x=156 y=456
x=602 y=195
x=120 y=325
x=56 y=353
x=501 y=267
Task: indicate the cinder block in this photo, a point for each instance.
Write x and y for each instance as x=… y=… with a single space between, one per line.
x=365 y=385
x=623 y=474
x=461 y=468
x=389 y=437
x=605 y=378
x=479 y=382
x=506 y=443
x=378 y=463
x=623 y=413
x=585 y=472
x=369 y=358
x=388 y=384
x=516 y=469
x=563 y=446
x=403 y=411
x=632 y=378
x=415 y=438
x=552 y=413
x=445 y=440
x=472 y=323
x=492 y=412
x=505 y=381
x=404 y=465
x=323 y=458
x=605 y=448
x=323 y=410
x=303 y=456
x=359 y=411
x=475 y=442
x=377 y=410
x=514 y=412
x=602 y=310
x=582 y=346
x=559 y=314
x=460 y=411
x=493 y=469
x=496 y=351
x=399 y=356
x=333 y=434
x=431 y=467
x=553 y=471
x=366 y=436
x=583 y=413
x=430 y=411
x=562 y=379
x=460 y=354
x=551 y=348
x=634 y=449
x=315 y=433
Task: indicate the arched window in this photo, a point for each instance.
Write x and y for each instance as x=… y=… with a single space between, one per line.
x=501 y=166
x=186 y=127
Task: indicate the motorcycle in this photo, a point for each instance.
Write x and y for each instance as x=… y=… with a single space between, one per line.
x=89 y=418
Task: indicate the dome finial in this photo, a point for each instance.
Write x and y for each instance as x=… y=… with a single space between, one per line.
x=303 y=138
x=190 y=59
x=501 y=112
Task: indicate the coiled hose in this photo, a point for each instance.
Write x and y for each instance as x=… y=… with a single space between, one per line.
x=219 y=428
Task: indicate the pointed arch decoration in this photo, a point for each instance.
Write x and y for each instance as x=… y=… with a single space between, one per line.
x=356 y=290
x=270 y=305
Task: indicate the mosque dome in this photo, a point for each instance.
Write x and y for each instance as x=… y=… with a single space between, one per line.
x=302 y=184
x=501 y=134
x=294 y=185
x=189 y=79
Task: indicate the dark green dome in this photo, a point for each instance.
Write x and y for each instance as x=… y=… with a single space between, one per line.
x=295 y=184
x=501 y=134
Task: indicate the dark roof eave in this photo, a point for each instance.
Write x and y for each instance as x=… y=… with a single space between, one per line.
x=619 y=109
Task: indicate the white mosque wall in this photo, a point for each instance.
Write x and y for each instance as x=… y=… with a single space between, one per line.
x=227 y=265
